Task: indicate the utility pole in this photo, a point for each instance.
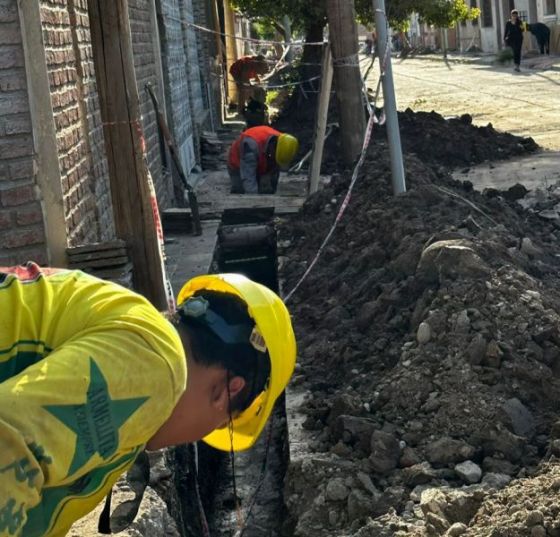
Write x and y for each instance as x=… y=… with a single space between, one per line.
x=322 y=116
x=231 y=50
x=128 y=170
x=390 y=103
x=347 y=78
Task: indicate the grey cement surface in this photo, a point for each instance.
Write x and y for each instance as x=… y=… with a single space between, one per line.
x=535 y=171
x=525 y=104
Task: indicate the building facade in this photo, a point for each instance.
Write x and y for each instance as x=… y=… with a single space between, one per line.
x=55 y=182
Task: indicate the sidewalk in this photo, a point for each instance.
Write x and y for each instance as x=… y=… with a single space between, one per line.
x=538 y=62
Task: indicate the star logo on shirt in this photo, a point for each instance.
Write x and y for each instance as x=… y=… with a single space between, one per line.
x=97 y=421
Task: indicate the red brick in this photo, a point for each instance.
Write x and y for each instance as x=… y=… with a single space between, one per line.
x=8 y=11
x=11 y=56
x=29 y=215
x=22 y=169
x=36 y=254
x=5 y=219
x=39 y=255
x=20 y=124
x=13 y=102
x=10 y=33
x=17 y=196
x=12 y=80
x=16 y=238
x=16 y=146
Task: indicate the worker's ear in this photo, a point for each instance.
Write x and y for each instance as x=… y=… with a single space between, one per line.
x=220 y=394
x=236 y=384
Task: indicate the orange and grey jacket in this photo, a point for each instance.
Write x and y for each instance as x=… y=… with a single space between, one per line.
x=89 y=371
x=248 y=157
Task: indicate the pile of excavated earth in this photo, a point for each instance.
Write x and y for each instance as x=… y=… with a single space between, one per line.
x=429 y=347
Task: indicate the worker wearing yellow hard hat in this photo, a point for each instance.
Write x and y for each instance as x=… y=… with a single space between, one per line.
x=256 y=158
x=91 y=374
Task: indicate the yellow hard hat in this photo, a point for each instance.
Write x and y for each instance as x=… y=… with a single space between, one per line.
x=273 y=322
x=286 y=149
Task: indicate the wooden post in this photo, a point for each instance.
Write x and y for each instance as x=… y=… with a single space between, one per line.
x=217 y=30
x=322 y=116
x=231 y=51
x=124 y=141
x=347 y=79
x=44 y=133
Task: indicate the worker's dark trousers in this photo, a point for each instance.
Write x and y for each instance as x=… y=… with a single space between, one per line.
x=516 y=47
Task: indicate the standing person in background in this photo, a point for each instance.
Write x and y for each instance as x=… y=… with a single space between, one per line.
x=243 y=71
x=513 y=38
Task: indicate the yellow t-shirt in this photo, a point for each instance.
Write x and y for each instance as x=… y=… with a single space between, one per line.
x=89 y=371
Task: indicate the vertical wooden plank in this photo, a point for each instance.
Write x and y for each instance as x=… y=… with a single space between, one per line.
x=44 y=132
x=231 y=51
x=129 y=174
x=322 y=116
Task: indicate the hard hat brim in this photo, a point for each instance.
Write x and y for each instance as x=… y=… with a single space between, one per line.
x=269 y=313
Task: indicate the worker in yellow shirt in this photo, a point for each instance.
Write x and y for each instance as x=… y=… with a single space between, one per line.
x=91 y=374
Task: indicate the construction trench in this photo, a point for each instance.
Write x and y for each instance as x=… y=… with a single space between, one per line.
x=425 y=398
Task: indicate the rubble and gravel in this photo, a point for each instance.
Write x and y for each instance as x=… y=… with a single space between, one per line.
x=429 y=345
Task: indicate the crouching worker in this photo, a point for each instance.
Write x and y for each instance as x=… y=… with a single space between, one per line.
x=91 y=374
x=256 y=158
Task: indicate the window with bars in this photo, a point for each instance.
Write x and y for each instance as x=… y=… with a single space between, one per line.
x=487 y=20
x=550 y=7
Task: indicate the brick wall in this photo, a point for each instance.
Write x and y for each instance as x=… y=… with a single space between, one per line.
x=92 y=127
x=146 y=73
x=207 y=54
x=21 y=219
x=193 y=68
x=199 y=110
x=175 y=74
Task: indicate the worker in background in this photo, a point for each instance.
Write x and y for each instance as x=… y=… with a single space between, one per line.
x=255 y=112
x=542 y=34
x=513 y=37
x=256 y=158
x=91 y=374
x=244 y=71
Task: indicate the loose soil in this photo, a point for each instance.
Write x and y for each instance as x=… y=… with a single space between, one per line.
x=429 y=343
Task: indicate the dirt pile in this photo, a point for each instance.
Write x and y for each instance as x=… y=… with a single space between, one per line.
x=429 y=342
x=444 y=143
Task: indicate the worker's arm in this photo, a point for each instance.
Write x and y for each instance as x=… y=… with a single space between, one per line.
x=249 y=164
x=81 y=411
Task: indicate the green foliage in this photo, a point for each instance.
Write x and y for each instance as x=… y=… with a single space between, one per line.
x=446 y=13
x=264 y=29
x=304 y=13
x=440 y=13
x=505 y=56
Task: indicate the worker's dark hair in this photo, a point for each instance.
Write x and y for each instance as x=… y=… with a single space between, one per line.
x=239 y=359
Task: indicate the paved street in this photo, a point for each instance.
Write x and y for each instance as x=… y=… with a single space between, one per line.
x=526 y=103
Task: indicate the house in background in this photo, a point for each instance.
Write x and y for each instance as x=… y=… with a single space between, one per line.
x=486 y=33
